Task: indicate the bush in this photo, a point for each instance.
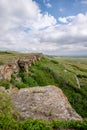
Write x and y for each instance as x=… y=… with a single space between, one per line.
x=8 y=123
x=54 y=61
x=29 y=80
x=31 y=124
x=20 y=85
x=5 y=84
x=72 y=124
x=5 y=103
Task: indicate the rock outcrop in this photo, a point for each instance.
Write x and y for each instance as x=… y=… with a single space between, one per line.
x=13 y=67
x=5 y=72
x=43 y=103
x=32 y=59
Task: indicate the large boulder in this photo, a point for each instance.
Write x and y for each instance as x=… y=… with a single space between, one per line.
x=44 y=103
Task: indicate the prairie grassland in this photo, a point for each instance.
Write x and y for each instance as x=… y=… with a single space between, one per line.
x=11 y=56
x=77 y=66
x=63 y=72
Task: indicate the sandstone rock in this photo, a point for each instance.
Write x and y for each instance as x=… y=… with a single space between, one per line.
x=25 y=63
x=44 y=103
x=5 y=72
x=13 y=67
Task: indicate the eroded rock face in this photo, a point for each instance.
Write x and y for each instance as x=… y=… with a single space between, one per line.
x=25 y=63
x=44 y=103
x=5 y=72
x=13 y=67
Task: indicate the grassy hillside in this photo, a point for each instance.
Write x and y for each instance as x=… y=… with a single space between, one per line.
x=64 y=72
x=6 y=56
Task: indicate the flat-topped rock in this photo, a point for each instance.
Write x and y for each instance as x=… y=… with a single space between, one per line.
x=44 y=103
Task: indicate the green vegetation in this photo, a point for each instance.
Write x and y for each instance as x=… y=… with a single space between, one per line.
x=62 y=74
x=5 y=84
x=8 y=123
x=6 y=56
x=5 y=103
x=58 y=71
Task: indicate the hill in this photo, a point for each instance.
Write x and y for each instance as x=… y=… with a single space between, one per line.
x=18 y=70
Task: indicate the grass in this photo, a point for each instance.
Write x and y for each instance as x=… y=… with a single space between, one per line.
x=58 y=71
x=5 y=84
x=9 y=119
x=61 y=74
x=6 y=56
x=53 y=71
x=8 y=123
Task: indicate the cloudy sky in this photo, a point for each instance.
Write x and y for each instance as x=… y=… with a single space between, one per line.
x=56 y=27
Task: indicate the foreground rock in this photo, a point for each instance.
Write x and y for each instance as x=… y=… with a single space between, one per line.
x=44 y=103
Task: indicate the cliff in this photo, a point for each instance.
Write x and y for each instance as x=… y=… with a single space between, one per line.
x=13 y=67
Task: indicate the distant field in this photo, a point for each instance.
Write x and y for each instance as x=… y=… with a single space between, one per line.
x=77 y=66
x=11 y=56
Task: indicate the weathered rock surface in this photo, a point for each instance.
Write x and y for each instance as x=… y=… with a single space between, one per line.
x=5 y=72
x=44 y=103
x=32 y=59
x=13 y=67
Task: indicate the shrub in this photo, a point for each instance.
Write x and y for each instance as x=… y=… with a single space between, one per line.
x=54 y=61
x=20 y=85
x=31 y=124
x=29 y=80
x=5 y=103
x=5 y=84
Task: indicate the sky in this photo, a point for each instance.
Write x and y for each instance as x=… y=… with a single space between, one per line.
x=53 y=27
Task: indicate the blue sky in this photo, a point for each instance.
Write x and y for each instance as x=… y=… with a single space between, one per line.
x=62 y=8
x=55 y=27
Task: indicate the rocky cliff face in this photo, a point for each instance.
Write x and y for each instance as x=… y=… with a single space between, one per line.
x=25 y=63
x=43 y=102
x=5 y=72
x=8 y=69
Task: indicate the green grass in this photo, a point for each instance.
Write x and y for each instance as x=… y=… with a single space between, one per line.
x=6 y=56
x=5 y=84
x=7 y=122
x=59 y=71
x=9 y=119
x=61 y=74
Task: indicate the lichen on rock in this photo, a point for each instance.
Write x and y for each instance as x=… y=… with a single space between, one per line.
x=46 y=103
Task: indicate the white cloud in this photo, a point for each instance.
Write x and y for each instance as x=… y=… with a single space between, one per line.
x=66 y=19
x=63 y=20
x=24 y=28
x=47 y=3
x=20 y=23
x=43 y=21
x=73 y=35
x=84 y=2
